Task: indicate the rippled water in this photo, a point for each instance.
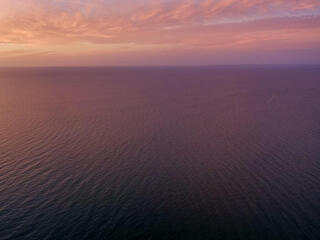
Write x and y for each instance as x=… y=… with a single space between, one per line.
x=160 y=153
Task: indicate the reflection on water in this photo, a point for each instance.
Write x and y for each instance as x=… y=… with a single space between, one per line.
x=160 y=153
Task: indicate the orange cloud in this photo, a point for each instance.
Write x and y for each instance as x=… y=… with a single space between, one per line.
x=40 y=23
x=138 y=25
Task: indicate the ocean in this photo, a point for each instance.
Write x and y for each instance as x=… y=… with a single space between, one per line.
x=210 y=152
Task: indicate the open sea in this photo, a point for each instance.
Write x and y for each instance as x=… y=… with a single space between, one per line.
x=225 y=152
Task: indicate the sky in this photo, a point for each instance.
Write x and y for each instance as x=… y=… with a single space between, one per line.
x=158 y=32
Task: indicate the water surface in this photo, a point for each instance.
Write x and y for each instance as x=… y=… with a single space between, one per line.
x=160 y=153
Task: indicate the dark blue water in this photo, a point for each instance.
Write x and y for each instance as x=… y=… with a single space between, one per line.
x=160 y=153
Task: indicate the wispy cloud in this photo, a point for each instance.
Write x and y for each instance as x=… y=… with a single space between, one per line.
x=212 y=24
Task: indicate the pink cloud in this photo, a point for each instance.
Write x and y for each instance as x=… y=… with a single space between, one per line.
x=179 y=25
x=84 y=21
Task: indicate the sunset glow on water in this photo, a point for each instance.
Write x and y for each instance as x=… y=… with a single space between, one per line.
x=159 y=119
